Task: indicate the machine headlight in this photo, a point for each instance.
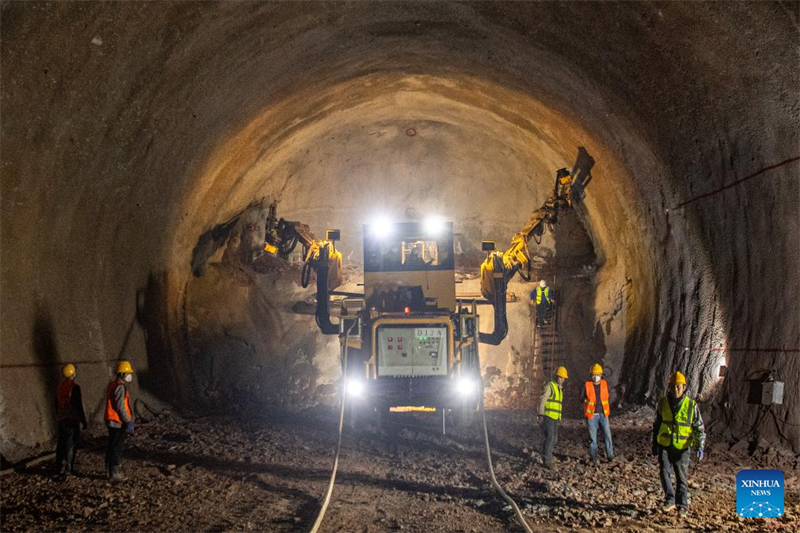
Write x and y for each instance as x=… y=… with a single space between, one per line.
x=382 y=227
x=466 y=386
x=355 y=387
x=433 y=226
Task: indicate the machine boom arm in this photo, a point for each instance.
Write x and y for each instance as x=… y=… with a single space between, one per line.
x=500 y=267
x=320 y=256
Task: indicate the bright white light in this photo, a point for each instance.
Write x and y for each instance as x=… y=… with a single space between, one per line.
x=465 y=386
x=355 y=387
x=433 y=225
x=382 y=227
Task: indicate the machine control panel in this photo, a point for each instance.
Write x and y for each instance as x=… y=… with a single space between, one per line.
x=412 y=350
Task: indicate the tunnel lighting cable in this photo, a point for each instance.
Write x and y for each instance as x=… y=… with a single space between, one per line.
x=327 y=500
x=506 y=497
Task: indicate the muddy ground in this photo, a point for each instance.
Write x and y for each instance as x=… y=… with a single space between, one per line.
x=270 y=474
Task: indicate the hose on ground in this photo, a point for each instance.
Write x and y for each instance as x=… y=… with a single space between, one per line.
x=327 y=500
x=496 y=485
x=506 y=497
x=329 y=493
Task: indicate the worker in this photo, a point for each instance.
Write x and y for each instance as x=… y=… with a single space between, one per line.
x=70 y=417
x=119 y=418
x=544 y=302
x=596 y=410
x=391 y=259
x=550 y=413
x=678 y=427
x=415 y=260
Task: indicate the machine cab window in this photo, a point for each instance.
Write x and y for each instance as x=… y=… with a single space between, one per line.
x=407 y=247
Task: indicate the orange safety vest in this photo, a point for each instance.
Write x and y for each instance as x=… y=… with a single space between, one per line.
x=588 y=403
x=111 y=411
x=64 y=401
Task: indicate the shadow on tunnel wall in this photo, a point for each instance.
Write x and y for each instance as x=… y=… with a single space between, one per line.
x=581 y=173
x=572 y=273
x=164 y=377
x=218 y=236
x=210 y=241
x=45 y=352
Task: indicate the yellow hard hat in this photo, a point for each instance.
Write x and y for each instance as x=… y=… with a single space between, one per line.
x=561 y=372
x=68 y=370
x=124 y=367
x=596 y=370
x=677 y=378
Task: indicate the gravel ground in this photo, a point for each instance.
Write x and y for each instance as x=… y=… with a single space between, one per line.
x=270 y=474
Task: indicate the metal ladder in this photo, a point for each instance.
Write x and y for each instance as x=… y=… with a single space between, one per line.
x=546 y=348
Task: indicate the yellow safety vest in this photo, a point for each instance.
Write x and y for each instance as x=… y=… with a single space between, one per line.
x=552 y=408
x=539 y=292
x=677 y=431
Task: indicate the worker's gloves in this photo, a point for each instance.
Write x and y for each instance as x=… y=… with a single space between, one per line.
x=700 y=454
x=129 y=428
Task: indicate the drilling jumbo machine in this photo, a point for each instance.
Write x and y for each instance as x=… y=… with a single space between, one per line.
x=409 y=342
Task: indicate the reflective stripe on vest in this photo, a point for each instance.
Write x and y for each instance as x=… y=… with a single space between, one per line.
x=552 y=408
x=64 y=401
x=539 y=294
x=111 y=411
x=588 y=404
x=677 y=431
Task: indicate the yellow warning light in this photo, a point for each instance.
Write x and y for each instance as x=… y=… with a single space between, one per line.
x=412 y=408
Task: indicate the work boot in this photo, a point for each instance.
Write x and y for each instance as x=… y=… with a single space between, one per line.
x=683 y=511
x=63 y=470
x=115 y=475
x=668 y=506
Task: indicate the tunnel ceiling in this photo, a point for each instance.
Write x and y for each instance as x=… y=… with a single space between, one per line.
x=130 y=130
x=390 y=143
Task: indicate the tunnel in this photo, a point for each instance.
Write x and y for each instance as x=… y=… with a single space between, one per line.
x=143 y=143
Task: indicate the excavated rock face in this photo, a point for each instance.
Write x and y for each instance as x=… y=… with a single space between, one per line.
x=130 y=132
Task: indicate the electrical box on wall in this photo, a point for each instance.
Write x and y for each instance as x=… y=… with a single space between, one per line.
x=772 y=393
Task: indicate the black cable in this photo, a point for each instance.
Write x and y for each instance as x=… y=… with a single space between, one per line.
x=305 y=275
x=288 y=247
x=778 y=425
